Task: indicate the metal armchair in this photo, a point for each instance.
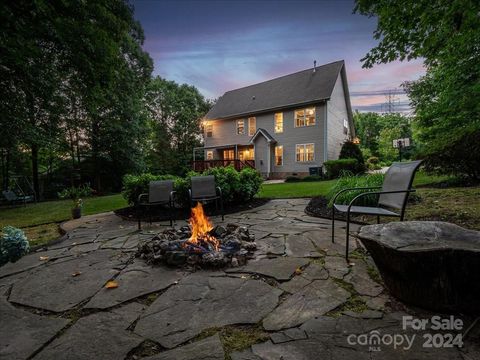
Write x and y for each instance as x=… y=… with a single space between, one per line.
x=159 y=193
x=396 y=187
x=203 y=189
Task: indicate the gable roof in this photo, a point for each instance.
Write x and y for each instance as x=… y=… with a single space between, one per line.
x=260 y=131
x=303 y=87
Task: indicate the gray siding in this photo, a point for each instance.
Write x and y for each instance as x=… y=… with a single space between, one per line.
x=336 y=113
x=224 y=133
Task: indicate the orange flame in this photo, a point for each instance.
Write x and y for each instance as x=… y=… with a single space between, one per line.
x=200 y=226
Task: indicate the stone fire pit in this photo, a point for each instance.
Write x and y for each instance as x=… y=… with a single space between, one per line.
x=200 y=244
x=434 y=265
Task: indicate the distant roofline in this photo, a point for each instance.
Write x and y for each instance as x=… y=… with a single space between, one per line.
x=279 y=77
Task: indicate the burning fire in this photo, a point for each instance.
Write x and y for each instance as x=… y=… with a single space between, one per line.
x=200 y=226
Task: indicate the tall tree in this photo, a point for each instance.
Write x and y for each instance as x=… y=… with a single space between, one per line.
x=175 y=113
x=446 y=34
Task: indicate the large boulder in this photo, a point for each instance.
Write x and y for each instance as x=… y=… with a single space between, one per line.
x=434 y=265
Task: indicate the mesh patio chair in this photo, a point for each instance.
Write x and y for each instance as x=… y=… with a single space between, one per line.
x=203 y=189
x=13 y=198
x=159 y=193
x=392 y=198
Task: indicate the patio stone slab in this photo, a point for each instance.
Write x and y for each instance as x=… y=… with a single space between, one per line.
x=288 y=335
x=199 y=302
x=318 y=298
x=280 y=268
x=336 y=266
x=271 y=245
x=300 y=246
x=31 y=261
x=244 y=355
x=22 y=333
x=135 y=280
x=210 y=348
x=54 y=287
x=361 y=281
x=98 y=336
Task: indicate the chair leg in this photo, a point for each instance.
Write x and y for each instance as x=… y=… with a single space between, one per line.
x=333 y=225
x=139 y=218
x=378 y=219
x=221 y=207
x=171 y=213
x=348 y=237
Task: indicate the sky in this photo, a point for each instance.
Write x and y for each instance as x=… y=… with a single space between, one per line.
x=223 y=45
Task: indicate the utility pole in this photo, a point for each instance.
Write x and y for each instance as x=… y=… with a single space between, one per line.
x=392 y=101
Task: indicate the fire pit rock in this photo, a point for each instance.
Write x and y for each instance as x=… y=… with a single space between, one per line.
x=221 y=246
x=433 y=265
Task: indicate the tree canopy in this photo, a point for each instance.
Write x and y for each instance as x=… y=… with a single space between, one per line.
x=446 y=35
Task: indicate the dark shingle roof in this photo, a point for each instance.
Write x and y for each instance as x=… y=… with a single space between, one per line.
x=265 y=133
x=299 y=88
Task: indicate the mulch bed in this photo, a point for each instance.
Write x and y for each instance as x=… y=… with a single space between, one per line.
x=318 y=207
x=160 y=213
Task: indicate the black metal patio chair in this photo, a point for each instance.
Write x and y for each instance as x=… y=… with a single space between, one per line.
x=392 y=198
x=203 y=189
x=159 y=193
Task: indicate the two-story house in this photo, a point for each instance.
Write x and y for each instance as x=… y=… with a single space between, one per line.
x=283 y=126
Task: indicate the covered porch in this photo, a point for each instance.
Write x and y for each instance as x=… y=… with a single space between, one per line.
x=238 y=155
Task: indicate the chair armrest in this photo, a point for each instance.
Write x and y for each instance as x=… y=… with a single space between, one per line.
x=377 y=193
x=140 y=197
x=352 y=189
x=219 y=190
x=190 y=193
x=172 y=195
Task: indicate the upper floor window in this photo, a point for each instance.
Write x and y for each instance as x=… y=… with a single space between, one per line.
x=279 y=155
x=209 y=130
x=278 y=123
x=345 y=126
x=305 y=117
x=252 y=126
x=305 y=152
x=240 y=127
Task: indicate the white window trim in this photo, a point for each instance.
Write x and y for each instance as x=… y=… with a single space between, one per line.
x=305 y=153
x=206 y=130
x=209 y=152
x=236 y=127
x=275 y=123
x=305 y=117
x=275 y=155
x=250 y=133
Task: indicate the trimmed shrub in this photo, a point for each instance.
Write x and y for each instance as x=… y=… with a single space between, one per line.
x=336 y=168
x=350 y=181
x=351 y=150
x=250 y=182
x=13 y=245
x=292 y=179
x=373 y=160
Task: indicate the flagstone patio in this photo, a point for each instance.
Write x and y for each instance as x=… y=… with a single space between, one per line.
x=298 y=293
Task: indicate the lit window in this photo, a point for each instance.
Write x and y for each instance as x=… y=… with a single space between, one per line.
x=278 y=123
x=279 y=155
x=240 y=127
x=305 y=117
x=209 y=155
x=305 y=152
x=252 y=126
x=209 y=130
x=228 y=154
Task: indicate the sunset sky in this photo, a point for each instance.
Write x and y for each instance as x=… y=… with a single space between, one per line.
x=222 y=45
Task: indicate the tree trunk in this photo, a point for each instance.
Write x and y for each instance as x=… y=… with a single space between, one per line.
x=36 y=183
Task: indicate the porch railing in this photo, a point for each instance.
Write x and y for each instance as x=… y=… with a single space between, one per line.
x=201 y=165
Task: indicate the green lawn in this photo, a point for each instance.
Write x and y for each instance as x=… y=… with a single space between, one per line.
x=310 y=189
x=296 y=189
